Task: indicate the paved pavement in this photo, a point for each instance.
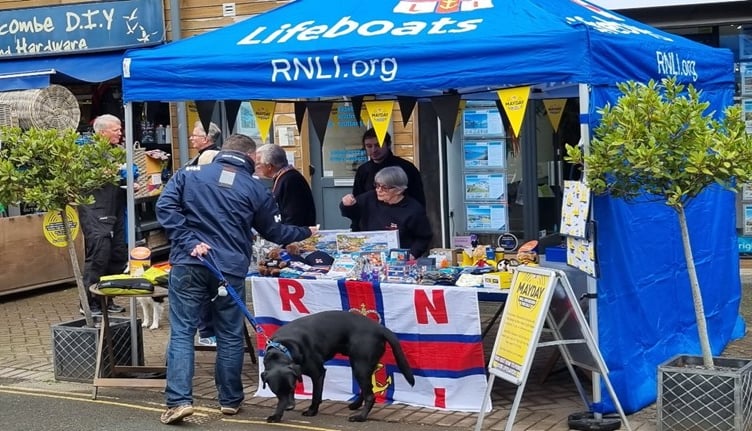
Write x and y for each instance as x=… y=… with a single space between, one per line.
x=26 y=362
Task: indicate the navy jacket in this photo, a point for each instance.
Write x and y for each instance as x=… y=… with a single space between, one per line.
x=219 y=203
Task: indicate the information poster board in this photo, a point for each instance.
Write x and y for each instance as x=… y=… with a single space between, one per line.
x=484 y=164
x=521 y=324
x=485 y=218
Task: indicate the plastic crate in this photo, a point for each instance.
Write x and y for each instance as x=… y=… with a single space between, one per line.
x=74 y=348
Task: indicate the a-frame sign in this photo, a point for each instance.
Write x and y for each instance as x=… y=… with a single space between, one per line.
x=539 y=295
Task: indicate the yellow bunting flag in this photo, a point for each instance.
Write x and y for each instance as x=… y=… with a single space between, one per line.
x=264 y=112
x=514 y=101
x=463 y=105
x=364 y=115
x=554 y=108
x=380 y=112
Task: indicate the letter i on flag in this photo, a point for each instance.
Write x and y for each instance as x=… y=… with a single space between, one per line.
x=514 y=101
x=264 y=111
x=380 y=112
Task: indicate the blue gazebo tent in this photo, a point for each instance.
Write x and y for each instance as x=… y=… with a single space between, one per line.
x=564 y=48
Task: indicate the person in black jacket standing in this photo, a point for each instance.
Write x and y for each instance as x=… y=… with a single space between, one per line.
x=103 y=224
x=387 y=207
x=381 y=157
x=290 y=188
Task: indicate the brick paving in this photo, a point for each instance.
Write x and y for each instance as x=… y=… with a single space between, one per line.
x=26 y=361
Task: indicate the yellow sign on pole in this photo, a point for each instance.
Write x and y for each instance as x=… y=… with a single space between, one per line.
x=54 y=230
x=264 y=112
x=554 y=108
x=380 y=112
x=514 y=101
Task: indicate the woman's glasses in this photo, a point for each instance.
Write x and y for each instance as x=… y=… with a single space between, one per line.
x=382 y=186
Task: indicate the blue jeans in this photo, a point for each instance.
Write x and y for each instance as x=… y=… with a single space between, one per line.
x=190 y=287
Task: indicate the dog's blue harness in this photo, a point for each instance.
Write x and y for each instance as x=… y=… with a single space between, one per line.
x=270 y=344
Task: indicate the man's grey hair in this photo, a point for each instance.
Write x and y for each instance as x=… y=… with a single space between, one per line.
x=104 y=122
x=272 y=154
x=214 y=131
x=393 y=176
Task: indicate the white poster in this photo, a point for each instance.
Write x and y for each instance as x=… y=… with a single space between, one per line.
x=485 y=154
x=492 y=187
x=488 y=218
x=482 y=122
x=581 y=255
x=575 y=208
x=746 y=74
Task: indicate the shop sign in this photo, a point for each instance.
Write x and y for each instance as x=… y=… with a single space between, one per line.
x=81 y=27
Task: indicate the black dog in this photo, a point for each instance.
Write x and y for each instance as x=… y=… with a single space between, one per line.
x=303 y=345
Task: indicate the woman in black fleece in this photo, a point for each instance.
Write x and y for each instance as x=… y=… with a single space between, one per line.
x=388 y=208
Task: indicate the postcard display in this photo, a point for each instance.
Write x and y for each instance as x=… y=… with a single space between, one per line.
x=484 y=175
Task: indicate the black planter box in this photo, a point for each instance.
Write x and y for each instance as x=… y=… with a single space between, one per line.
x=693 y=398
x=74 y=348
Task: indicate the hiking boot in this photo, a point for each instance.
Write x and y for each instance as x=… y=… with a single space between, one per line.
x=227 y=410
x=175 y=414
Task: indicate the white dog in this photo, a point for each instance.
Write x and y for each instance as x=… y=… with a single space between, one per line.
x=152 y=310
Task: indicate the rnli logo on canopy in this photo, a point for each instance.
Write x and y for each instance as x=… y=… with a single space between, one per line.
x=441 y=6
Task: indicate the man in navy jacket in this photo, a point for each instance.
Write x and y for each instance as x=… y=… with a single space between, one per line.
x=210 y=210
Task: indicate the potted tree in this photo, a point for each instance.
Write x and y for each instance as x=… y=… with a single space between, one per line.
x=53 y=170
x=658 y=140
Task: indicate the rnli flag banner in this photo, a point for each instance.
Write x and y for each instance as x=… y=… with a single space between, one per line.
x=514 y=101
x=439 y=329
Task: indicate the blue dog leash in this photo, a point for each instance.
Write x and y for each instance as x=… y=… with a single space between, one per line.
x=224 y=289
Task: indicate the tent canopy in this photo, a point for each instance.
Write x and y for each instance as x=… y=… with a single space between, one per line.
x=416 y=48
x=387 y=49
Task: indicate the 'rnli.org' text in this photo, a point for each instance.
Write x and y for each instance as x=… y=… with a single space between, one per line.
x=317 y=67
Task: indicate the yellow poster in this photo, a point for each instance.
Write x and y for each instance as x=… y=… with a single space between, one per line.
x=380 y=112
x=521 y=323
x=554 y=108
x=264 y=111
x=514 y=101
x=53 y=228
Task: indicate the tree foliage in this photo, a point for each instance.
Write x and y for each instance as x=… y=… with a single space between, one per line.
x=659 y=140
x=50 y=169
